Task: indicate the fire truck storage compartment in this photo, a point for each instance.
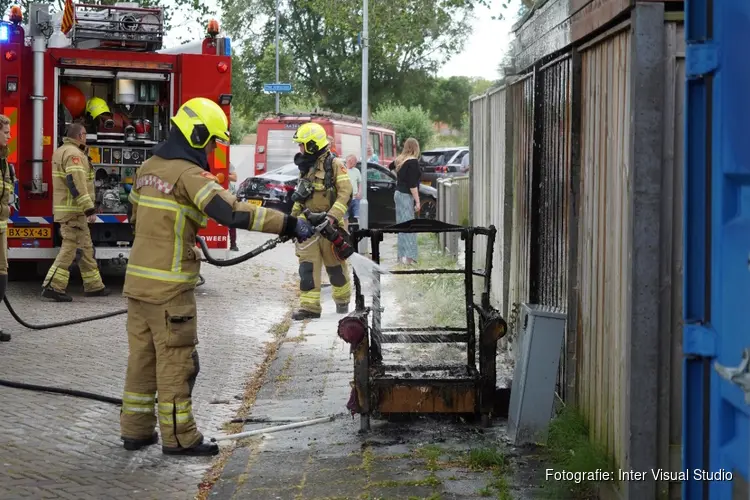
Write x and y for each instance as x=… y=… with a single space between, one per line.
x=119 y=141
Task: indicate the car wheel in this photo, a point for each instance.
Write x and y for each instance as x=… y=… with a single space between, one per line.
x=428 y=210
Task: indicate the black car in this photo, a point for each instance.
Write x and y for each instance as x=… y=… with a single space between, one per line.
x=274 y=190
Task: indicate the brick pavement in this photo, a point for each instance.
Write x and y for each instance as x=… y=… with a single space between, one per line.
x=54 y=446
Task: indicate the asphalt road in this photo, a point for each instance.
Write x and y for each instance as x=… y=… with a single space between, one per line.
x=54 y=446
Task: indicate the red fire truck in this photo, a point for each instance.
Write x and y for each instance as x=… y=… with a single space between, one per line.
x=274 y=147
x=112 y=53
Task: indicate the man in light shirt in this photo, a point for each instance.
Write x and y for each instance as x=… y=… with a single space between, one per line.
x=356 y=178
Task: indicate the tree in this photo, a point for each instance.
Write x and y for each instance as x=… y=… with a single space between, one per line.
x=408 y=39
x=407 y=122
x=450 y=100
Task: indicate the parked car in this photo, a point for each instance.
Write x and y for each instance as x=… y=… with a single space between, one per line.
x=441 y=162
x=274 y=190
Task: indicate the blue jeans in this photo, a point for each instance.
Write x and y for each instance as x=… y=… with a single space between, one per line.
x=354 y=208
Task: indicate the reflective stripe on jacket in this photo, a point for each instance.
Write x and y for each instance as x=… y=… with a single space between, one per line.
x=169 y=200
x=72 y=181
x=6 y=189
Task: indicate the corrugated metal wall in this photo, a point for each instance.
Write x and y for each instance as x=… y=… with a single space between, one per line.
x=604 y=244
x=521 y=100
x=551 y=192
x=549 y=270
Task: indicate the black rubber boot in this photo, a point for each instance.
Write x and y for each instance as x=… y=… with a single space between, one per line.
x=98 y=293
x=137 y=444
x=342 y=308
x=302 y=314
x=200 y=450
x=49 y=293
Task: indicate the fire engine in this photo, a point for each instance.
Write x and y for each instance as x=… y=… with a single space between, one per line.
x=111 y=59
x=274 y=147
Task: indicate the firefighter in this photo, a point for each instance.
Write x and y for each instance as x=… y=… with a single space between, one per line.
x=73 y=207
x=324 y=186
x=172 y=196
x=5 y=191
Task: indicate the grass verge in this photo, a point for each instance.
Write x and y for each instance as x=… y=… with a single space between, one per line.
x=437 y=298
x=569 y=448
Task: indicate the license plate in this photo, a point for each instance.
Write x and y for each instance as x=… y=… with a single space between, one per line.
x=30 y=232
x=257 y=203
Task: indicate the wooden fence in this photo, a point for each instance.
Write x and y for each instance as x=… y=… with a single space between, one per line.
x=585 y=144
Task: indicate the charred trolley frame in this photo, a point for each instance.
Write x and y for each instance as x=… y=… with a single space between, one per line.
x=467 y=388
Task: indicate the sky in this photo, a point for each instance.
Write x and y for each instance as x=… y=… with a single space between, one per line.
x=475 y=60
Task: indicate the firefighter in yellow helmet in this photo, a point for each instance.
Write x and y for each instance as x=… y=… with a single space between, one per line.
x=73 y=207
x=97 y=106
x=173 y=194
x=7 y=179
x=324 y=186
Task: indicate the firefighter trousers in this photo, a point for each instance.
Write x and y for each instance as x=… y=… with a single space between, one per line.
x=76 y=237
x=162 y=359
x=313 y=254
x=3 y=252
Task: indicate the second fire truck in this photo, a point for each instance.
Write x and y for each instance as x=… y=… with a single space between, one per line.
x=110 y=72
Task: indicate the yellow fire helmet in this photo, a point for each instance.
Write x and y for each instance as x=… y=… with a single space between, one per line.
x=200 y=120
x=313 y=136
x=96 y=106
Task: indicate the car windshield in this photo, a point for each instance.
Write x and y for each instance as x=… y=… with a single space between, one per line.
x=436 y=157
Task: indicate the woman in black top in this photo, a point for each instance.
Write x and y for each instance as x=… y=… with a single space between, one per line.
x=406 y=196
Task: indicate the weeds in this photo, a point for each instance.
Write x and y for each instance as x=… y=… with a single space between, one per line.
x=443 y=294
x=569 y=448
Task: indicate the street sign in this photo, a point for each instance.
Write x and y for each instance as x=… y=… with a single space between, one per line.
x=277 y=87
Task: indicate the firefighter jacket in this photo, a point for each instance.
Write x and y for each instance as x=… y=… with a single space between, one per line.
x=6 y=189
x=72 y=181
x=171 y=200
x=330 y=194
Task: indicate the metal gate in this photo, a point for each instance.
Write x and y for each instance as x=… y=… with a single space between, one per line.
x=716 y=423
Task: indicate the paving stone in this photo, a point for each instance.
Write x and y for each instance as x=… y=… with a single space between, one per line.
x=57 y=446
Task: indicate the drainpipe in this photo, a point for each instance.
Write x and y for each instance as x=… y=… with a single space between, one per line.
x=38 y=49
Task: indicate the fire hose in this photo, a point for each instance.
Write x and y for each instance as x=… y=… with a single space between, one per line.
x=321 y=225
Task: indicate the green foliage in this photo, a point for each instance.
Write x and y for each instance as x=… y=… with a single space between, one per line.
x=450 y=100
x=446 y=141
x=569 y=448
x=408 y=40
x=238 y=128
x=407 y=122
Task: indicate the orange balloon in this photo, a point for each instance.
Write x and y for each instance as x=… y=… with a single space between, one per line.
x=72 y=98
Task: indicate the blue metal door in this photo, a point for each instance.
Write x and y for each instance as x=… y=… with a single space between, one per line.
x=716 y=345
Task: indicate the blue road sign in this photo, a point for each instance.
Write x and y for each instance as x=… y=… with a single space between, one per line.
x=277 y=87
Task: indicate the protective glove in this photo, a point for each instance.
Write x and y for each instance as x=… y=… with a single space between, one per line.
x=303 y=230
